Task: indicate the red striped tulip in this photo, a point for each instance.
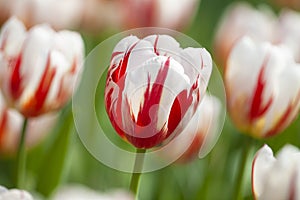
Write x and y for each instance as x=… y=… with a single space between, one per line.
x=11 y=125
x=276 y=178
x=38 y=66
x=154 y=87
x=263 y=87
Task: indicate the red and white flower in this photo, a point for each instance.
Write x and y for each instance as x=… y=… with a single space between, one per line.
x=263 y=87
x=154 y=88
x=276 y=178
x=200 y=134
x=38 y=67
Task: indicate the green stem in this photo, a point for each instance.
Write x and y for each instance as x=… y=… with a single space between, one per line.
x=238 y=194
x=138 y=165
x=21 y=157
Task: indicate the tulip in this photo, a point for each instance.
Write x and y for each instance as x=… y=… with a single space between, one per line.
x=276 y=178
x=38 y=67
x=242 y=19
x=200 y=133
x=262 y=84
x=154 y=87
x=289 y=31
x=14 y=194
x=11 y=125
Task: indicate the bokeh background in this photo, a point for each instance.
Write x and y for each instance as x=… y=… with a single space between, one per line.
x=61 y=159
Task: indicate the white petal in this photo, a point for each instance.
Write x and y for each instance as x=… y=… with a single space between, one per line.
x=34 y=58
x=16 y=195
x=289 y=31
x=197 y=61
x=166 y=45
x=210 y=112
x=262 y=164
x=12 y=34
x=142 y=52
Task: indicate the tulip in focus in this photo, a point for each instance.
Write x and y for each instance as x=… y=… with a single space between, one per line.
x=200 y=133
x=242 y=19
x=38 y=67
x=154 y=87
x=263 y=87
x=11 y=125
x=276 y=178
x=14 y=194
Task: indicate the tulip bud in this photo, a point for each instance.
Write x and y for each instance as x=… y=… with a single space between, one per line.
x=38 y=67
x=276 y=178
x=154 y=87
x=14 y=194
x=263 y=87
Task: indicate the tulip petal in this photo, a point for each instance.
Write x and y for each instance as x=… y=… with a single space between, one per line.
x=164 y=45
x=12 y=37
x=276 y=178
x=262 y=163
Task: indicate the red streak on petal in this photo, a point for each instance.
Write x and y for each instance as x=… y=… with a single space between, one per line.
x=114 y=54
x=284 y=118
x=16 y=79
x=35 y=105
x=257 y=109
x=153 y=97
x=180 y=105
x=122 y=66
x=155 y=45
x=3 y=124
x=293 y=187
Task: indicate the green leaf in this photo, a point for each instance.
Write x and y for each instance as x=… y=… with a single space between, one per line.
x=53 y=167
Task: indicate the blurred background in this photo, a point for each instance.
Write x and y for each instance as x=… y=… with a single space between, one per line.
x=61 y=159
